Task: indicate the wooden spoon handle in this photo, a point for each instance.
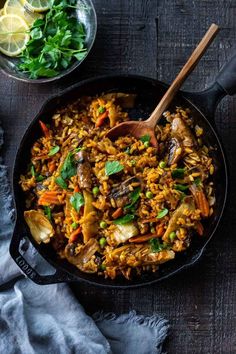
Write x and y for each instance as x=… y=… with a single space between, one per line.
x=184 y=73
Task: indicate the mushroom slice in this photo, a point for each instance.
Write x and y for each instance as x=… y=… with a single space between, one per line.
x=40 y=227
x=182 y=132
x=175 y=151
x=187 y=205
x=84 y=254
x=125 y=100
x=84 y=170
x=120 y=194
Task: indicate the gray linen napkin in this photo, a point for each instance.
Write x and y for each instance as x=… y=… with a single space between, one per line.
x=49 y=319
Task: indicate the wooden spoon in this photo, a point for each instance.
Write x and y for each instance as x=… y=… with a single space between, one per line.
x=147 y=127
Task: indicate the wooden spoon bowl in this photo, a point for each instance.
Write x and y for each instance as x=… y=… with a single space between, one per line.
x=141 y=128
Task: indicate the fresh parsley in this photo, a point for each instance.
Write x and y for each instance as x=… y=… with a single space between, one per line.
x=77 y=201
x=48 y=212
x=181 y=187
x=56 y=41
x=61 y=182
x=145 y=138
x=68 y=169
x=178 y=173
x=32 y=171
x=134 y=196
x=197 y=181
x=162 y=213
x=38 y=177
x=124 y=219
x=112 y=167
x=54 y=150
x=156 y=246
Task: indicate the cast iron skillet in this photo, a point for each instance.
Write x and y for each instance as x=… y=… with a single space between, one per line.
x=148 y=92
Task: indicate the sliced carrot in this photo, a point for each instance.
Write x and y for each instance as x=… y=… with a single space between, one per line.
x=117 y=213
x=203 y=204
x=142 y=238
x=149 y=220
x=48 y=198
x=41 y=157
x=76 y=189
x=160 y=230
x=200 y=228
x=201 y=200
x=51 y=166
x=74 y=235
x=45 y=129
x=101 y=119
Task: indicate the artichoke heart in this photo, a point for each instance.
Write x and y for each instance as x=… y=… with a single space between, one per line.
x=124 y=232
x=40 y=227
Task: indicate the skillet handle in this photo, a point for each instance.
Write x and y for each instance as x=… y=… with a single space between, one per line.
x=224 y=84
x=58 y=277
x=227 y=77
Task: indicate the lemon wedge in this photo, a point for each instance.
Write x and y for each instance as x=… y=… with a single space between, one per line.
x=13 y=35
x=16 y=7
x=1 y=12
x=37 y=5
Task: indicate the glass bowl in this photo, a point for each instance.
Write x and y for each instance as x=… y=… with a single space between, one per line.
x=85 y=14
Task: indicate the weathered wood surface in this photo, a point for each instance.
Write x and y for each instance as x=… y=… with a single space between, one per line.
x=154 y=38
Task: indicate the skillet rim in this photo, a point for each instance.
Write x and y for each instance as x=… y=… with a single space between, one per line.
x=119 y=77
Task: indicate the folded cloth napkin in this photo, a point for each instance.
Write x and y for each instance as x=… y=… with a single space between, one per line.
x=49 y=319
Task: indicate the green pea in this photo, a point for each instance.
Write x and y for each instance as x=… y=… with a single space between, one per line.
x=172 y=236
x=153 y=230
x=149 y=195
x=103 y=224
x=146 y=144
x=103 y=267
x=102 y=242
x=162 y=164
x=74 y=225
x=101 y=109
x=95 y=191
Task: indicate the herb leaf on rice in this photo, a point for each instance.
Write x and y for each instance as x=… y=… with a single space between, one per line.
x=112 y=167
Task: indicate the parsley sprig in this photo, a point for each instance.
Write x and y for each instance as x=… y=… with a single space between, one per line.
x=56 y=42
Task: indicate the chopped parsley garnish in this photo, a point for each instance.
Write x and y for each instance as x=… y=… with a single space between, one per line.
x=48 y=212
x=134 y=196
x=54 y=150
x=197 y=181
x=124 y=219
x=178 y=173
x=156 y=246
x=68 y=169
x=77 y=201
x=112 y=167
x=145 y=138
x=162 y=213
x=61 y=182
x=181 y=187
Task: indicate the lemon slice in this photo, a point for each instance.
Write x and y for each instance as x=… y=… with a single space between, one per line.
x=37 y=5
x=13 y=35
x=16 y=7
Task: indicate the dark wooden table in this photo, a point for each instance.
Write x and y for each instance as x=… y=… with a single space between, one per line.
x=154 y=38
